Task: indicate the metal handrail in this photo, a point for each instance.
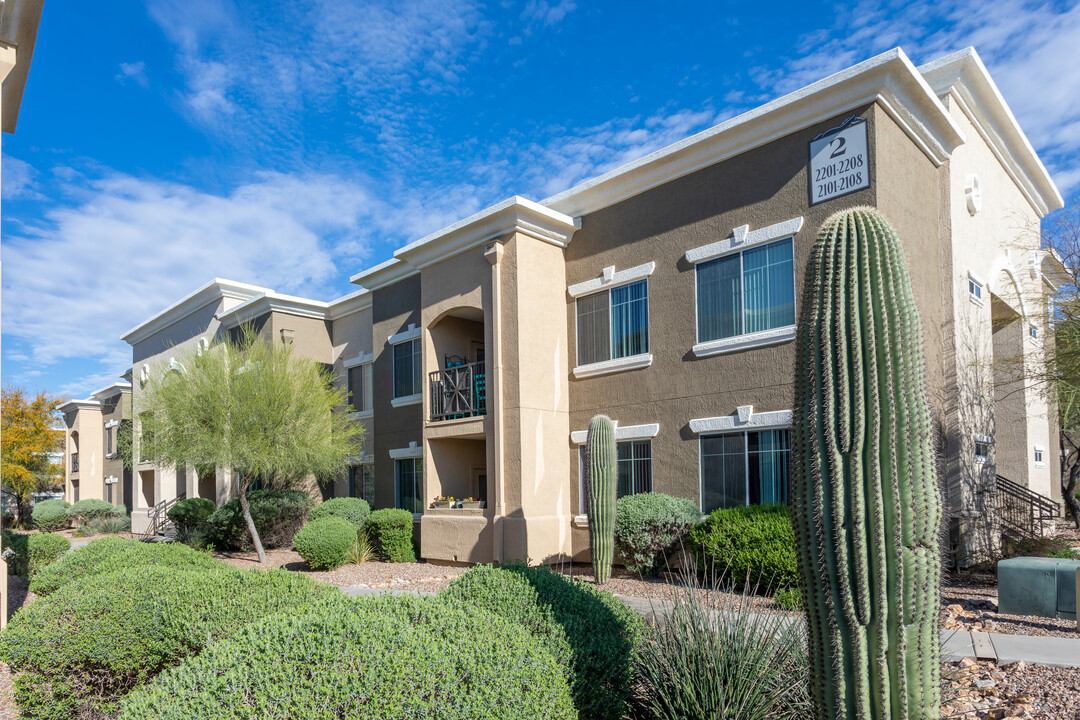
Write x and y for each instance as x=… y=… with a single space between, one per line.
x=459 y=391
x=1024 y=511
x=159 y=517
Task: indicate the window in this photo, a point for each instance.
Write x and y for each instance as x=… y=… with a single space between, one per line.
x=409 y=484
x=613 y=324
x=109 y=449
x=634 y=461
x=1039 y=454
x=982 y=448
x=108 y=493
x=746 y=292
x=975 y=289
x=407 y=367
x=745 y=468
x=359 y=380
x=362 y=482
x=1033 y=331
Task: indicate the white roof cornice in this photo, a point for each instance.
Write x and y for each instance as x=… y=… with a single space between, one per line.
x=889 y=79
x=211 y=292
x=271 y=301
x=73 y=405
x=120 y=386
x=963 y=75
x=383 y=274
x=354 y=302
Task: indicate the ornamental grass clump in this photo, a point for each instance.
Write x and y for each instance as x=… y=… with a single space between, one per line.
x=590 y=633
x=325 y=543
x=865 y=499
x=111 y=554
x=649 y=526
x=385 y=658
x=76 y=652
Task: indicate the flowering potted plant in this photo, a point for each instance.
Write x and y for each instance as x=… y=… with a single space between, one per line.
x=443 y=501
x=471 y=502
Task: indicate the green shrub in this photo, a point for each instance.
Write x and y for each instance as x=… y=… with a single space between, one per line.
x=111 y=554
x=590 y=633
x=83 y=531
x=650 y=525
x=34 y=551
x=754 y=544
x=1047 y=547
x=324 y=543
x=789 y=598
x=7 y=519
x=49 y=515
x=190 y=514
x=718 y=657
x=391 y=532
x=355 y=510
x=87 y=511
x=278 y=514
x=386 y=658
x=79 y=650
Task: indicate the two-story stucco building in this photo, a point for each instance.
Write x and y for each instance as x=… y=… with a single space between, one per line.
x=665 y=295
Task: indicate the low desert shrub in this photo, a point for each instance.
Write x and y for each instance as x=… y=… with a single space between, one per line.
x=33 y=552
x=85 y=512
x=190 y=514
x=355 y=510
x=324 y=543
x=590 y=633
x=648 y=526
x=113 y=525
x=78 y=651
x=83 y=531
x=7 y=518
x=278 y=514
x=50 y=515
x=719 y=656
x=390 y=531
x=789 y=598
x=754 y=544
x=387 y=658
x=111 y=554
x=1048 y=547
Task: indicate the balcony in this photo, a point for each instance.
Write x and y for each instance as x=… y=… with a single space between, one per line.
x=74 y=462
x=458 y=392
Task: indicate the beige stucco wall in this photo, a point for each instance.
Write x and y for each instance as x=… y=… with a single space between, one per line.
x=116 y=408
x=352 y=337
x=85 y=424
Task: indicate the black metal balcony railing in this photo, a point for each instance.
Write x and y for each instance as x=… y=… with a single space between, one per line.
x=1023 y=512
x=74 y=462
x=458 y=392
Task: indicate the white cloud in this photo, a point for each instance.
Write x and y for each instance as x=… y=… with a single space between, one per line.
x=545 y=13
x=136 y=72
x=19 y=178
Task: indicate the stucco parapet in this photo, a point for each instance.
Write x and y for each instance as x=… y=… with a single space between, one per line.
x=470 y=428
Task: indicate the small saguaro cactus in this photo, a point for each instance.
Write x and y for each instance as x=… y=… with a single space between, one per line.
x=602 y=468
x=865 y=499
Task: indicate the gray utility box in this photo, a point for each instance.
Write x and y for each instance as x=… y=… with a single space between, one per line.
x=1037 y=586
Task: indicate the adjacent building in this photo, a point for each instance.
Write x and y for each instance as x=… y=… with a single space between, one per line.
x=94 y=429
x=665 y=294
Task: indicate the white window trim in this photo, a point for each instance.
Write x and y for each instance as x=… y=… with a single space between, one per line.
x=414 y=399
x=607 y=367
x=1040 y=463
x=743 y=237
x=773 y=336
x=1037 y=338
x=972 y=277
x=112 y=424
x=609 y=279
x=622 y=433
x=745 y=418
x=412 y=333
x=362 y=414
x=989 y=441
x=361 y=359
x=414 y=450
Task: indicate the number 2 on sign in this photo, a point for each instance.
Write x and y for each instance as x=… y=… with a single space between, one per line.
x=840 y=142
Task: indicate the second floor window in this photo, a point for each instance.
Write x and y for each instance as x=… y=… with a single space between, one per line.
x=407 y=368
x=109 y=447
x=359 y=379
x=746 y=292
x=613 y=324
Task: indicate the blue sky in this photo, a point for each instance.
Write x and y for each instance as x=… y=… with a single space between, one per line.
x=292 y=144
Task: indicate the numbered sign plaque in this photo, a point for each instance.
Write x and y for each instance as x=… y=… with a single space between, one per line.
x=839 y=162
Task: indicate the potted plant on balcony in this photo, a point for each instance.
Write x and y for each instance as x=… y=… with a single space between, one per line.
x=471 y=502
x=443 y=501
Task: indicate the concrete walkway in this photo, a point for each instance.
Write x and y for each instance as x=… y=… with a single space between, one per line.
x=955 y=644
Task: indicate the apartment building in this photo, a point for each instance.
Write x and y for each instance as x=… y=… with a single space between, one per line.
x=93 y=464
x=665 y=295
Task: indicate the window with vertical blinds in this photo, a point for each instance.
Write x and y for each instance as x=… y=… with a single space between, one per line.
x=634 y=466
x=746 y=292
x=408 y=477
x=745 y=468
x=613 y=324
x=359 y=380
x=407 y=368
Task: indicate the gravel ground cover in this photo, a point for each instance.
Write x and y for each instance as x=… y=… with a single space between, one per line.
x=1018 y=690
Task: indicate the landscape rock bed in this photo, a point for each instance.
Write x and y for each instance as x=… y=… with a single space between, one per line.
x=969 y=602
x=1018 y=690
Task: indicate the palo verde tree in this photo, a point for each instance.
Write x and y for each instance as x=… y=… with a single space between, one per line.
x=30 y=431
x=252 y=406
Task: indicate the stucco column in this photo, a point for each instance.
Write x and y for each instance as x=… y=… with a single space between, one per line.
x=494 y=254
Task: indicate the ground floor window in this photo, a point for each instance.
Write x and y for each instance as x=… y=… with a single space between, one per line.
x=108 y=493
x=634 y=460
x=362 y=482
x=409 y=484
x=745 y=468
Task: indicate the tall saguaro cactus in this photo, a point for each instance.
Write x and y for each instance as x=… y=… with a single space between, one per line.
x=865 y=500
x=602 y=465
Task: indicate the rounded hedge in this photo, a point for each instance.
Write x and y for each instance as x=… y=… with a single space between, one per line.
x=384 y=658
x=324 y=543
x=34 y=552
x=590 y=633
x=754 y=544
x=650 y=525
x=355 y=510
x=277 y=514
x=49 y=515
x=79 y=650
x=391 y=532
x=190 y=513
x=86 y=511
x=110 y=554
